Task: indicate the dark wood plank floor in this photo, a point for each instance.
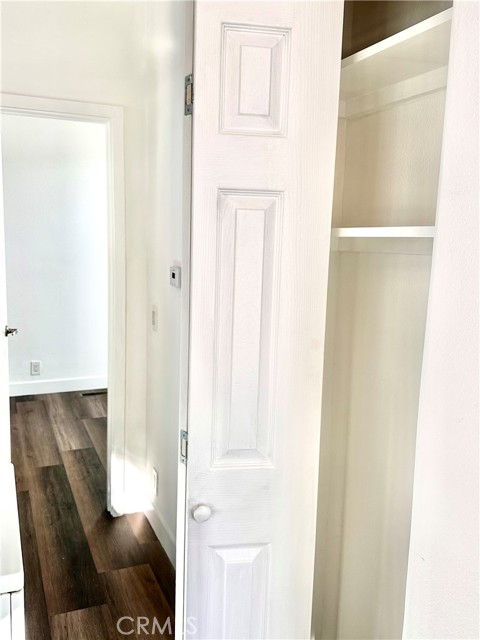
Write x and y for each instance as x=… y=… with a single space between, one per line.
x=83 y=569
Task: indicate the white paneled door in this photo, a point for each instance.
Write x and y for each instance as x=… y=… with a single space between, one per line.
x=266 y=83
x=4 y=375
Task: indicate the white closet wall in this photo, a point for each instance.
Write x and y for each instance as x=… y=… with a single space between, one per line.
x=387 y=169
x=443 y=573
x=392 y=164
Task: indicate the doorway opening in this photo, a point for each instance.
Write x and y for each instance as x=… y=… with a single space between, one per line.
x=56 y=241
x=65 y=258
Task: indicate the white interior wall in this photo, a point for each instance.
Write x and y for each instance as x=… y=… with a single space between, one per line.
x=375 y=330
x=387 y=169
x=385 y=318
x=55 y=189
x=338 y=192
x=392 y=164
x=443 y=571
x=128 y=54
x=167 y=29
x=94 y=52
x=333 y=451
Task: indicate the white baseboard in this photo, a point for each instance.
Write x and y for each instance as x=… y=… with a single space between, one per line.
x=34 y=387
x=163 y=533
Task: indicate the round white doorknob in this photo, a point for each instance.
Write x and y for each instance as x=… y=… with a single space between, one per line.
x=201 y=513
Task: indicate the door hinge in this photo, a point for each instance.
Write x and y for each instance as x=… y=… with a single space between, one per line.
x=183 y=446
x=189 y=95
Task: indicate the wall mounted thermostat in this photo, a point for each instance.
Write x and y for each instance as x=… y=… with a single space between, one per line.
x=175 y=276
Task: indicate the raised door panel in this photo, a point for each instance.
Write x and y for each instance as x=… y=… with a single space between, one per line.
x=246 y=305
x=238 y=581
x=255 y=66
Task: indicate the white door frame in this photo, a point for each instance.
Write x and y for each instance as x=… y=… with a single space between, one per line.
x=112 y=117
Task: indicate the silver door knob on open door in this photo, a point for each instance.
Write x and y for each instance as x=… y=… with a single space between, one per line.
x=10 y=331
x=201 y=513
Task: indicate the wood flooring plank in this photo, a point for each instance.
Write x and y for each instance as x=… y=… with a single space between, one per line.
x=97 y=406
x=97 y=431
x=100 y=401
x=88 y=406
x=112 y=541
x=162 y=568
x=13 y=406
x=94 y=623
x=27 y=398
x=22 y=455
x=69 y=575
x=69 y=430
x=67 y=535
x=141 y=527
x=103 y=399
x=36 y=620
x=134 y=592
x=39 y=439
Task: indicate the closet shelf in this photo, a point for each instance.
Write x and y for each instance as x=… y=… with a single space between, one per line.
x=383 y=232
x=417 y=50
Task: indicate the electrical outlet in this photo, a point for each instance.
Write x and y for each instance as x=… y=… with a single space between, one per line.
x=154 y=318
x=35 y=367
x=154 y=482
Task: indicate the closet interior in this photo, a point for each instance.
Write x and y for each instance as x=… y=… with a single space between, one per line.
x=392 y=99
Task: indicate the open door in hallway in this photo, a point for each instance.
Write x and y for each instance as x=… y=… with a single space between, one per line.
x=4 y=379
x=63 y=204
